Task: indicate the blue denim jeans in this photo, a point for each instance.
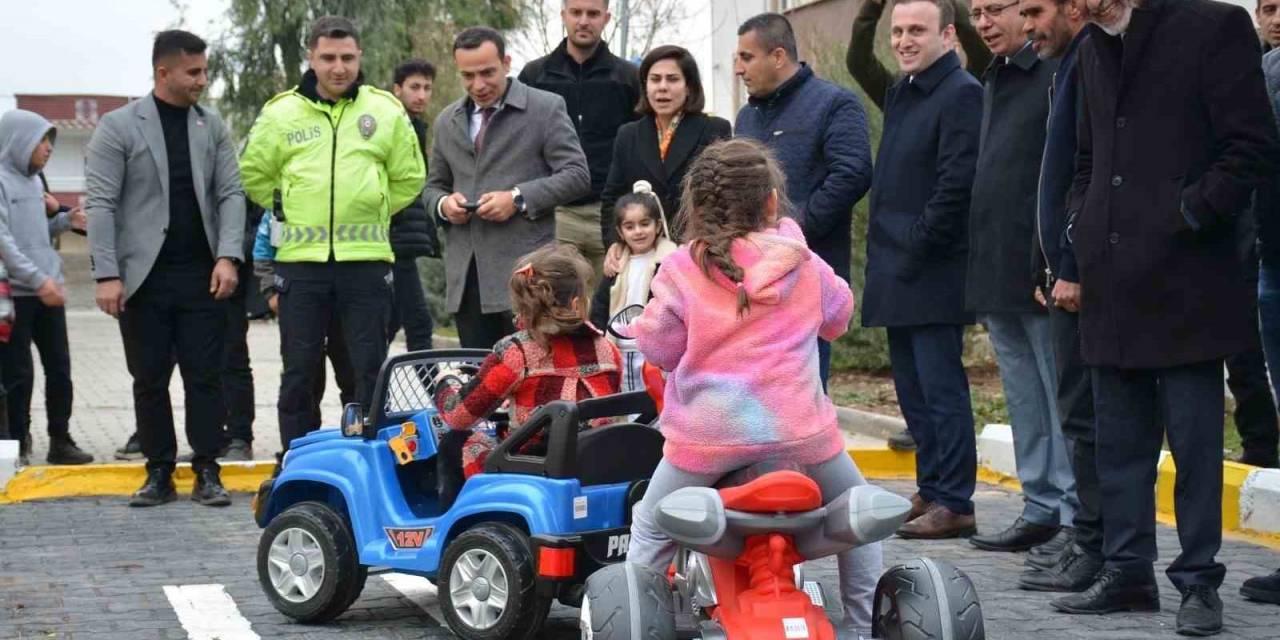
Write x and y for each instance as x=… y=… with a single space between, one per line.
x=1024 y=353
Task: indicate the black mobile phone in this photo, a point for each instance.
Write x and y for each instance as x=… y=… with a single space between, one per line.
x=470 y=207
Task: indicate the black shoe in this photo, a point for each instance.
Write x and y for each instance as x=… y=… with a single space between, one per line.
x=1263 y=588
x=24 y=451
x=208 y=490
x=1201 y=611
x=902 y=441
x=132 y=449
x=63 y=450
x=158 y=489
x=1053 y=548
x=1020 y=536
x=1113 y=591
x=1074 y=573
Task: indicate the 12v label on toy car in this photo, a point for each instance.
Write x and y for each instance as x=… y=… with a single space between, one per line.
x=795 y=628
x=402 y=539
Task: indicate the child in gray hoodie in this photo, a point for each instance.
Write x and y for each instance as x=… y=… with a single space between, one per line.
x=35 y=275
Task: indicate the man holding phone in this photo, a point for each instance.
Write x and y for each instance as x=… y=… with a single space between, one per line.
x=505 y=156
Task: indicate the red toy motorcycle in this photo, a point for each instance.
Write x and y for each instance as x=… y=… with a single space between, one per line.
x=738 y=572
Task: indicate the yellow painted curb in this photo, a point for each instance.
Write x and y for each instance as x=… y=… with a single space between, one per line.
x=47 y=482
x=884 y=463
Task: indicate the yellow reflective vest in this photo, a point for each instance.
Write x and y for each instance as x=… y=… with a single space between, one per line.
x=342 y=170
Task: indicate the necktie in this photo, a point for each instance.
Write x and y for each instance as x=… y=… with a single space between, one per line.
x=486 y=115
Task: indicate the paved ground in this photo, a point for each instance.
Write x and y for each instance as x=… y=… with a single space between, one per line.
x=93 y=568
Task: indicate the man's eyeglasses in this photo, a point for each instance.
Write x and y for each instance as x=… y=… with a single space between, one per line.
x=993 y=11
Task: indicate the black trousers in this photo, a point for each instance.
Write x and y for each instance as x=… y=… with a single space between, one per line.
x=311 y=293
x=933 y=392
x=46 y=328
x=1255 y=413
x=335 y=348
x=237 y=374
x=173 y=314
x=1075 y=408
x=477 y=329
x=409 y=307
x=1136 y=411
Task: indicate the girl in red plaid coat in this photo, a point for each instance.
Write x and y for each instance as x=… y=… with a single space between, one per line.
x=556 y=355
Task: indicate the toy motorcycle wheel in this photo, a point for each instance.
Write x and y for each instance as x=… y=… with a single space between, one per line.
x=627 y=601
x=307 y=563
x=925 y=598
x=487 y=586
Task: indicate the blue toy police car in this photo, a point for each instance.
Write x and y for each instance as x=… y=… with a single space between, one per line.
x=526 y=531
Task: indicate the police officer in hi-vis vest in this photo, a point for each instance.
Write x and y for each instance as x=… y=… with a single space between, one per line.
x=341 y=158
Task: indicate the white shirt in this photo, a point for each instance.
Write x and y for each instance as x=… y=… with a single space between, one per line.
x=637 y=269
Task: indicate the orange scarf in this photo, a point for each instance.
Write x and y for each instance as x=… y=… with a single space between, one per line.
x=665 y=137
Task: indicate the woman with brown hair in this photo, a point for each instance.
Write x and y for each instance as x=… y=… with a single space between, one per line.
x=659 y=146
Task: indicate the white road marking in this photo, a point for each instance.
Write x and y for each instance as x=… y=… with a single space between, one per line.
x=419 y=591
x=207 y=612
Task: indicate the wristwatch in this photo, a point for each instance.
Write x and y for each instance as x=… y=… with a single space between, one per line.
x=518 y=199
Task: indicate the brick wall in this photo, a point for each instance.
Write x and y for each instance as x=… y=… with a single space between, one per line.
x=71 y=106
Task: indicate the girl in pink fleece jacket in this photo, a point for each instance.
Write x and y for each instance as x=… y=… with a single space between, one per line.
x=735 y=319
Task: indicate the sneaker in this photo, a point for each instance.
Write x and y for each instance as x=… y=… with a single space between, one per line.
x=157 y=490
x=238 y=451
x=132 y=449
x=63 y=450
x=209 y=490
x=1201 y=611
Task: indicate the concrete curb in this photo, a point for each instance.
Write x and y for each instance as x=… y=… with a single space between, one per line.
x=869 y=424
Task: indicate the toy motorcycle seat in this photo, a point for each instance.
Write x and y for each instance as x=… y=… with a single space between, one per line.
x=772 y=486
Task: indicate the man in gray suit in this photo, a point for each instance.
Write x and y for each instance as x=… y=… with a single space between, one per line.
x=512 y=151
x=166 y=222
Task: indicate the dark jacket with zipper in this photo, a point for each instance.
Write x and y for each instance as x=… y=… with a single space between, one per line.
x=635 y=157
x=600 y=94
x=917 y=242
x=413 y=230
x=1002 y=210
x=1174 y=137
x=818 y=132
x=1052 y=258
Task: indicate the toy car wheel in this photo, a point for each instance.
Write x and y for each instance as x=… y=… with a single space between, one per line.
x=487 y=585
x=923 y=599
x=307 y=563
x=627 y=601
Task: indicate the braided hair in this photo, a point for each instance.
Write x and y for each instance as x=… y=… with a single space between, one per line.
x=544 y=287
x=724 y=196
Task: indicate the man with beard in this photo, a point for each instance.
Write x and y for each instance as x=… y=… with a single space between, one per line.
x=1163 y=299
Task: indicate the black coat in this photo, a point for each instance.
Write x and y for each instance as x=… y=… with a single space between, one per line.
x=1175 y=135
x=917 y=244
x=413 y=230
x=1002 y=213
x=600 y=94
x=635 y=157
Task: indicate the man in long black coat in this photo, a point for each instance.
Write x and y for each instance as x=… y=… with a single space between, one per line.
x=916 y=255
x=1174 y=136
